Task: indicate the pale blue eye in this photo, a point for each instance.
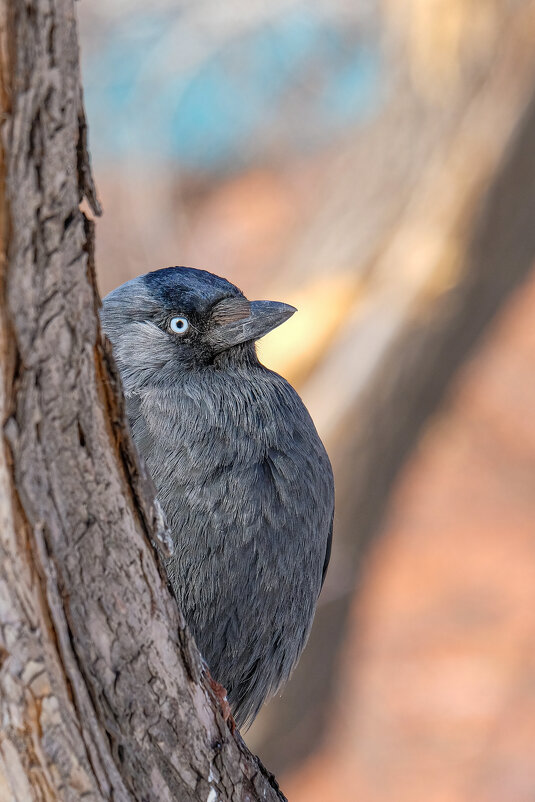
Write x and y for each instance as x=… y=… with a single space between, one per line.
x=179 y=325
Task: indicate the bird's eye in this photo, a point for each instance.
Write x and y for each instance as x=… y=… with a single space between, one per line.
x=179 y=325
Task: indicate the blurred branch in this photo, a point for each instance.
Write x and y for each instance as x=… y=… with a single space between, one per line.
x=406 y=386
x=416 y=374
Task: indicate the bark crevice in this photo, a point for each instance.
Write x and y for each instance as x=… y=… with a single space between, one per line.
x=102 y=690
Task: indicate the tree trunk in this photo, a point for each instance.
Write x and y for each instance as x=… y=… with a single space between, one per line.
x=102 y=690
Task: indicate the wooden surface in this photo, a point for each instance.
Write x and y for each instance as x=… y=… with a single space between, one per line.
x=102 y=692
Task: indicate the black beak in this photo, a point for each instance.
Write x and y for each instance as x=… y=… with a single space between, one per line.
x=264 y=316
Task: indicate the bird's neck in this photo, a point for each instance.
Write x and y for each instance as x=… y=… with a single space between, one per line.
x=240 y=356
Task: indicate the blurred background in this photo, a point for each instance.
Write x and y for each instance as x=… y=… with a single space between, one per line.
x=373 y=163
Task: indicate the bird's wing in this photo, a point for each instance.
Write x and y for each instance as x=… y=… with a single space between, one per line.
x=327 y=553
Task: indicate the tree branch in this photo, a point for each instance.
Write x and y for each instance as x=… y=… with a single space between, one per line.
x=102 y=691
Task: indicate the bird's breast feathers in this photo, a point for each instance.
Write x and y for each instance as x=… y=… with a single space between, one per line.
x=253 y=434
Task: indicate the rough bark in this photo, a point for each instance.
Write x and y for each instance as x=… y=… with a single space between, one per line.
x=102 y=690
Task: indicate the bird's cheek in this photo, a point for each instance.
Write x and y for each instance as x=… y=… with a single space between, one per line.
x=189 y=356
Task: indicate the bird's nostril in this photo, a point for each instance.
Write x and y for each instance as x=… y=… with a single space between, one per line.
x=231 y=310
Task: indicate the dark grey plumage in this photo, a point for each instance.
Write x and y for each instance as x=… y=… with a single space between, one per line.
x=242 y=476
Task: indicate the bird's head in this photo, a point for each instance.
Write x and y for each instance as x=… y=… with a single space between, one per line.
x=183 y=318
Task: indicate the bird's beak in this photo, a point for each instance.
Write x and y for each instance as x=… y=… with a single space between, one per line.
x=263 y=317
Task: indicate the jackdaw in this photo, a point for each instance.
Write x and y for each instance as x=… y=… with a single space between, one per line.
x=240 y=471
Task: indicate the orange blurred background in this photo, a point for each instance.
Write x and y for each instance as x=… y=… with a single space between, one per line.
x=340 y=156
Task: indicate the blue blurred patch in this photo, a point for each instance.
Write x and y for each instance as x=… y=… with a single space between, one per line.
x=295 y=83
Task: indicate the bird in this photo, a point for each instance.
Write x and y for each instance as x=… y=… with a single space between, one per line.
x=243 y=478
